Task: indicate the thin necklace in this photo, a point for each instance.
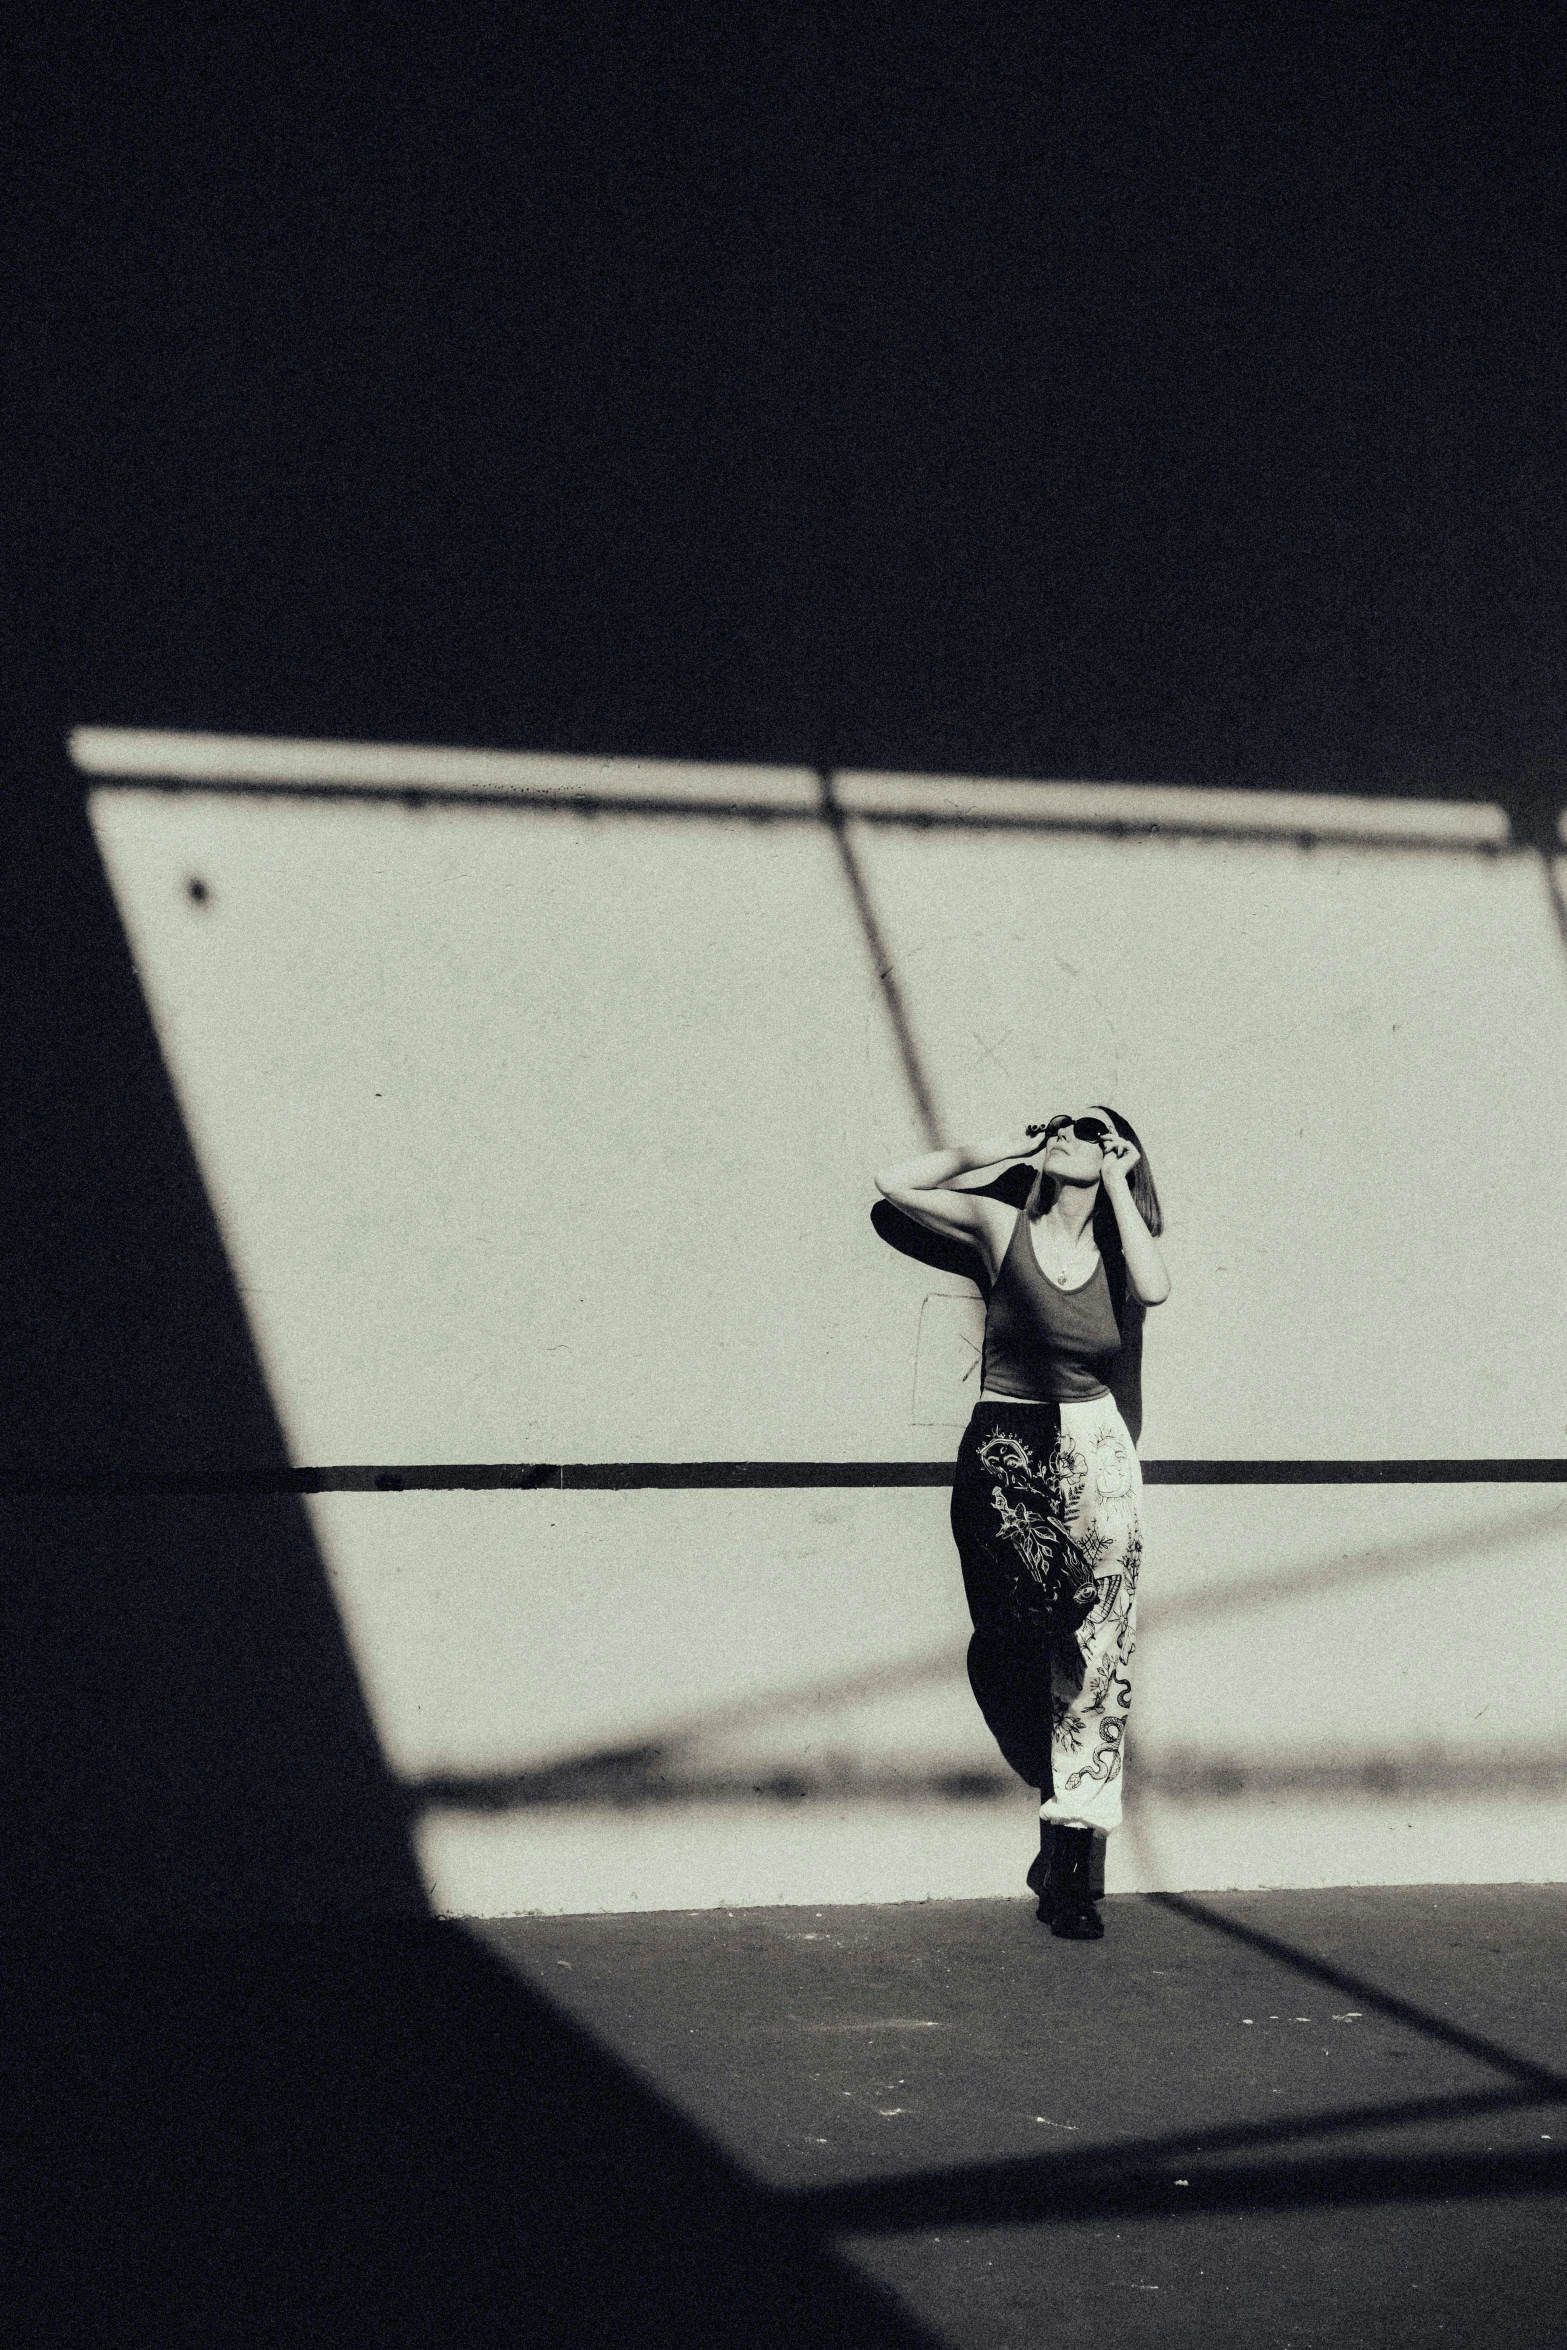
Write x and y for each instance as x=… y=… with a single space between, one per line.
x=1069 y=1253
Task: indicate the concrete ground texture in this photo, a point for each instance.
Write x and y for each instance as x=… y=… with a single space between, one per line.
x=1319 y=2120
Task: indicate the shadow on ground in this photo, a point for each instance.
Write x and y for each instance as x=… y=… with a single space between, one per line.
x=355 y=2135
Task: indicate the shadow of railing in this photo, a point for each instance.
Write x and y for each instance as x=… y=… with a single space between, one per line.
x=1381 y=1562
x=640 y=1778
x=1028 y=2194
x=1135 y=2178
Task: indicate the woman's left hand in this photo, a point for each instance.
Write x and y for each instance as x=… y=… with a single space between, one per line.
x=1120 y=1156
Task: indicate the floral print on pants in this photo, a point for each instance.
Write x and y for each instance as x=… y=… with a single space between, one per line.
x=1045 y=1511
x=1088 y=1719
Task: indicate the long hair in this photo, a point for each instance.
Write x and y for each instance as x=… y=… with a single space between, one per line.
x=1107 y=1233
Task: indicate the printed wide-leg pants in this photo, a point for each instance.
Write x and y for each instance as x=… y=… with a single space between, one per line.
x=1046 y=1517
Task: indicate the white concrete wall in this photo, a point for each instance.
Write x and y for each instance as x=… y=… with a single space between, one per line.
x=541 y=1136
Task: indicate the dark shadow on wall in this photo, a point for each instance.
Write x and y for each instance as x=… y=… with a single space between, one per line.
x=345 y=2135
x=252 y=2092
x=187 y=1735
x=910 y=1239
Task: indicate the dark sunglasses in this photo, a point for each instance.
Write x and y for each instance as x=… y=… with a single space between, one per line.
x=1086 y=1129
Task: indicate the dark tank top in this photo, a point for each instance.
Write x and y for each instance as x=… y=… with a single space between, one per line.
x=1042 y=1341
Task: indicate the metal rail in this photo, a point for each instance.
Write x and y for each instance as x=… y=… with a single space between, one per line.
x=696 y=1476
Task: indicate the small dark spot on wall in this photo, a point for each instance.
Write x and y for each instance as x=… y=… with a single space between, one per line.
x=197 y=891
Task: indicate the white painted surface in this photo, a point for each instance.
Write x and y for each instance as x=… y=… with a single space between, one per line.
x=772 y=1854
x=750 y=1634
x=532 y=1135
x=1350 y=1069
x=507 y=1631
x=289 y=762
x=535 y=1136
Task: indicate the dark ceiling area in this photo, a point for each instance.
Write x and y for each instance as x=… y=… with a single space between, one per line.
x=1113 y=392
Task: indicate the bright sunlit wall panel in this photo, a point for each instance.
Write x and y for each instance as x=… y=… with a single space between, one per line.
x=533 y=1135
x=1350 y=1068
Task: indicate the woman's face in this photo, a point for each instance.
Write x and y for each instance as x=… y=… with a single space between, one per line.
x=1068 y=1156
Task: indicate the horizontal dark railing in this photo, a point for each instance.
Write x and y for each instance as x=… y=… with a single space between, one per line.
x=416 y=798
x=689 y=1476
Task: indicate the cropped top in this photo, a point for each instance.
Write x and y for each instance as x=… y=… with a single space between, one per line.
x=1045 y=1342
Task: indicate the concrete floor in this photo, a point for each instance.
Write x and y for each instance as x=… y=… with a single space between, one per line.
x=1331 y=2119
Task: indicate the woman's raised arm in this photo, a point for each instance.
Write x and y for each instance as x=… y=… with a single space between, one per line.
x=1145 y=1265
x=935 y=1168
x=918 y=1187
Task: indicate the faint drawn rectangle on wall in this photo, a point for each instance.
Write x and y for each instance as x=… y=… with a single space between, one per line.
x=947 y=1358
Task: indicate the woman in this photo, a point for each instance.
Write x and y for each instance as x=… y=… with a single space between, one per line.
x=1045 y=1494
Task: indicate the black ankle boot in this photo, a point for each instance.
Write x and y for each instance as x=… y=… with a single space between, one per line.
x=1035 y=1879
x=1065 y=1903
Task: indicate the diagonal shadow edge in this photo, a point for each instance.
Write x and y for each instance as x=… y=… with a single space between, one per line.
x=1541 y=2079
x=1383 y=1562
x=1063 y=2185
x=274 y=2132
x=500 y=1786
x=767 y=2229
x=189 y=1734
x=1205 y=2189
x=882 y=964
x=1120 y=2180
x=968 y=2191
x=1550 y=869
